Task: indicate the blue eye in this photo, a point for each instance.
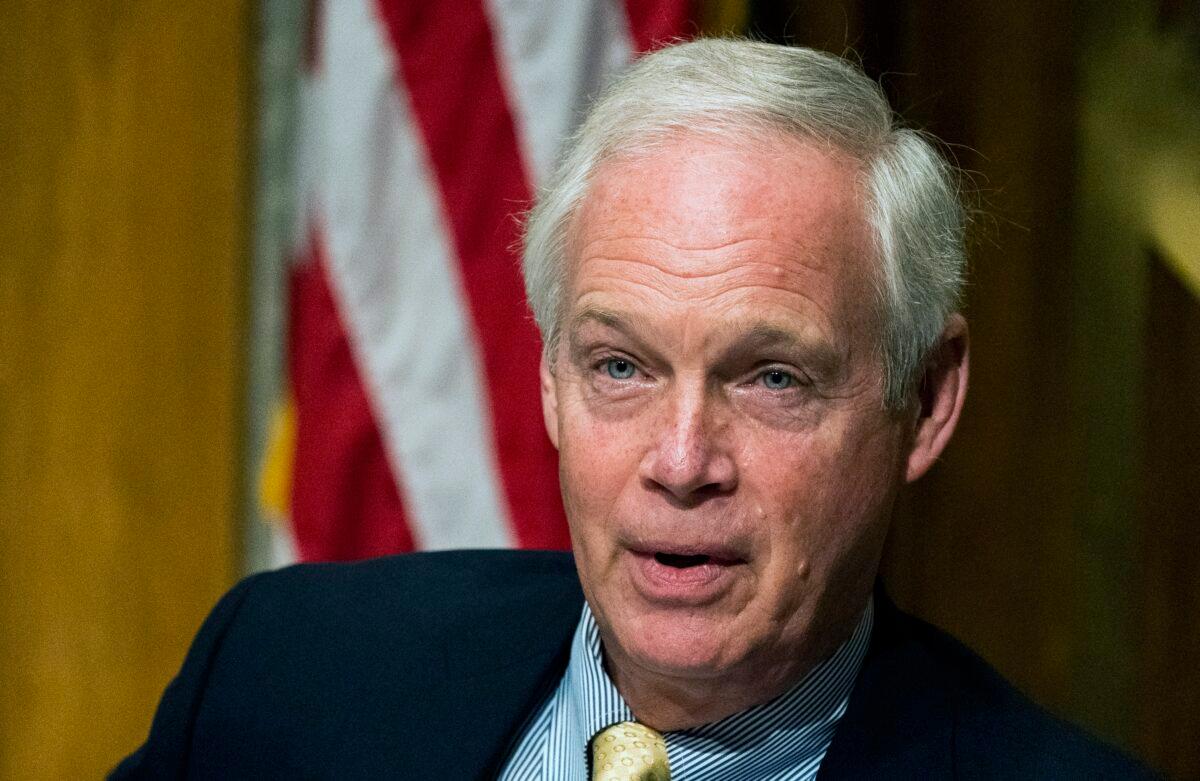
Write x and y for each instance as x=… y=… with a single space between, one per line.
x=777 y=379
x=619 y=368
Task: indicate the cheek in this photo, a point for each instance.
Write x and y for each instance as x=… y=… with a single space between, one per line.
x=792 y=473
x=597 y=461
x=820 y=492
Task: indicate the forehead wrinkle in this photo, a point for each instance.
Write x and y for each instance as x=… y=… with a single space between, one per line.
x=780 y=280
x=697 y=264
x=621 y=236
x=747 y=248
x=783 y=259
x=811 y=307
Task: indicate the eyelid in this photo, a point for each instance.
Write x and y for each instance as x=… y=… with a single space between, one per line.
x=604 y=356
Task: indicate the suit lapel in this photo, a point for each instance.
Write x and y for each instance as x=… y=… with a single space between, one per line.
x=500 y=703
x=900 y=720
x=499 y=668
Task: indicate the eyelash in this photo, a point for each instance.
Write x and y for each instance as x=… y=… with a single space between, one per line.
x=602 y=366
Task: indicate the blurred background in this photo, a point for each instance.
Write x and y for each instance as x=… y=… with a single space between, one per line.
x=258 y=304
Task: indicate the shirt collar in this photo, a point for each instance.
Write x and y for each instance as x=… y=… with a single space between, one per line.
x=792 y=730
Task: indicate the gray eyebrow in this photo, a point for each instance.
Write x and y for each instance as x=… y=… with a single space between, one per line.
x=602 y=316
x=817 y=354
x=609 y=319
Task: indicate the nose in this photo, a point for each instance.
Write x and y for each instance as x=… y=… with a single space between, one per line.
x=689 y=460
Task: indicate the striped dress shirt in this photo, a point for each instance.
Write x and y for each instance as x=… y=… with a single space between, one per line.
x=781 y=740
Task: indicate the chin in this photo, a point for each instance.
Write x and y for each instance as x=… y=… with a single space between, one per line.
x=677 y=646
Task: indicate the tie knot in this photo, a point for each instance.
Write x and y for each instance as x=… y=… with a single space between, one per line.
x=628 y=751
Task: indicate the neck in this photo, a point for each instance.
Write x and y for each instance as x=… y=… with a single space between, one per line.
x=670 y=701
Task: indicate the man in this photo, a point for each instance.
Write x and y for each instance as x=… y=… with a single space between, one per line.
x=747 y=282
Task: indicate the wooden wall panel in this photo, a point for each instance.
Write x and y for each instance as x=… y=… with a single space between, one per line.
x=994 y=553
x=983 y=545
x=1053 y=537
x=1167 y=720
x=123 y=163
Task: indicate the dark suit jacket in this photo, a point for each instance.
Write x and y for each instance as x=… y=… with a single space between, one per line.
x=427 y=666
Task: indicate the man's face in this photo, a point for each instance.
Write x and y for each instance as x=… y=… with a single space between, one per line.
x=727 y=464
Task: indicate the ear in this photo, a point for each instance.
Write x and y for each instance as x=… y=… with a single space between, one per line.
x=941 y=395
x=549 y=400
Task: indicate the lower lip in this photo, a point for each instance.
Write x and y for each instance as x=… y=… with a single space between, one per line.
x=658 y=582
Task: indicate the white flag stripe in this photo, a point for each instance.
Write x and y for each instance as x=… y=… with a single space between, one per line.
x=552 y=58
x=311 y=156
x=396 y=280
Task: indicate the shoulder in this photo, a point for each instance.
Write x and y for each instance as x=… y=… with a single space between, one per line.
x=999 y=732
x=305 y=637
x=323 y=665
x=418 y=582
x=421 y=593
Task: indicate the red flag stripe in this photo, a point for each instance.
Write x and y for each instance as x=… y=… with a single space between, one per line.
x=396 y=279
x=652 y=24
x=473 y=149
x=345 y=502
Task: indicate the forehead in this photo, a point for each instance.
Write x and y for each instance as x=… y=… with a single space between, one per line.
x=725 y=184
x=709 y=217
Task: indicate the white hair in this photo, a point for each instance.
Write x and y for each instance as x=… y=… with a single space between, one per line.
x=741 y=90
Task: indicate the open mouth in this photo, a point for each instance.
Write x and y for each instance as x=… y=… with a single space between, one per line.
x=685 y=575
x=681 y=561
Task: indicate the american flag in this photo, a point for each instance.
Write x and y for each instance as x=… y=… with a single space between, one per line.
x=414 y=412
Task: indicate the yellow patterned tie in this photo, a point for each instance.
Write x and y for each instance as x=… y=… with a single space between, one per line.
x=629 y=751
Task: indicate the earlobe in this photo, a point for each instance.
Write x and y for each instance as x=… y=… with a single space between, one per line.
x=942 y=393
x=549 y=400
